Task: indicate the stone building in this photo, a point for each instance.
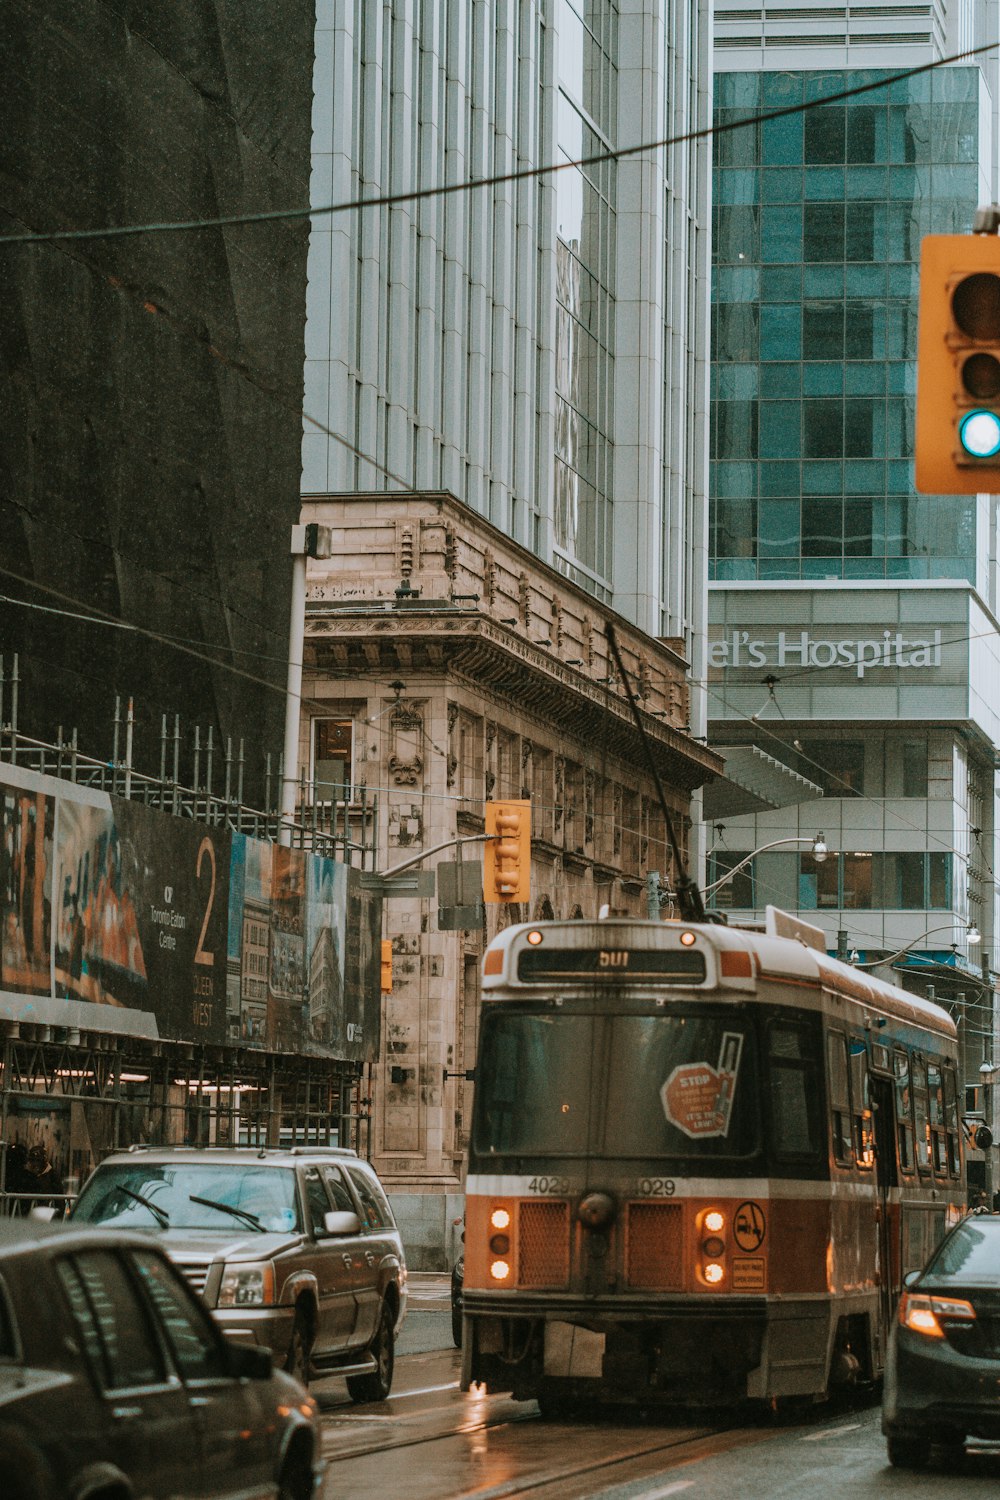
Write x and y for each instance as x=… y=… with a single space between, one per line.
x=445 y=665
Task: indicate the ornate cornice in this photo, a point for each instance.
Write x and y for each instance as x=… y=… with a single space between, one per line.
x=470 y=645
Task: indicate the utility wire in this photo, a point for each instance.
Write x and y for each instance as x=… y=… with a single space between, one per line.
x=498 y=179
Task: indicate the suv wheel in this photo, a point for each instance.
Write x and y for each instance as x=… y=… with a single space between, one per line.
x=376 y=1387
x=300 y=1347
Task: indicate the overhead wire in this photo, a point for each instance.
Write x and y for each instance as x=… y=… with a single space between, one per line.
x=496 y=179
x=416 y=195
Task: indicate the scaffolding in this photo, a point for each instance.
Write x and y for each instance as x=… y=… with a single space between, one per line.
x=100 y=1091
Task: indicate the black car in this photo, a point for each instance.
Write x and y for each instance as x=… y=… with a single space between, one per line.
x=457 y=1276
x=116 y=1383
x=942 y=1373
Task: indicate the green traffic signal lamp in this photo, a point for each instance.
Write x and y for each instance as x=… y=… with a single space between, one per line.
x=957 y=437
x=979 y=434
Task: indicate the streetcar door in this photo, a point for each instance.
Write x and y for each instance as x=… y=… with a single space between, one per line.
x=886 y=1177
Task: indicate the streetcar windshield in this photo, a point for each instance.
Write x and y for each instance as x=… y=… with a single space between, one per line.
x=625 y=1085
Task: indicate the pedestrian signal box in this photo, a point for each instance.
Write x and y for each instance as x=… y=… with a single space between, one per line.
x=387 y=966
x=958 y=365
x=507 y=857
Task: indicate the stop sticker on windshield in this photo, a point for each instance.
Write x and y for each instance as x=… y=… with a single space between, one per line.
x=698 y=1098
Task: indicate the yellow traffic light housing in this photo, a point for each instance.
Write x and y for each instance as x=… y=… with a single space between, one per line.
x=958 y=365
x=387 y=966
x=507 y=858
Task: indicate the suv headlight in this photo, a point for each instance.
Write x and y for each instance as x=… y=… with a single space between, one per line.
x=248 y=1285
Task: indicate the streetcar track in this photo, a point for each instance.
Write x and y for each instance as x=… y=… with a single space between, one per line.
x=528 y=1483
x=416 y=1441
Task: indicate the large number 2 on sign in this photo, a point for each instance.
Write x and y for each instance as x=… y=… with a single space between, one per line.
x=205 y=847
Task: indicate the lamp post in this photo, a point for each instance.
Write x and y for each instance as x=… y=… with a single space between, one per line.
x=972 y=937
x=987 y=1070
x=818 y=849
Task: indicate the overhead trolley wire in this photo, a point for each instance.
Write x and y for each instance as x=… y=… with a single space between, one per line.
x=497 y=179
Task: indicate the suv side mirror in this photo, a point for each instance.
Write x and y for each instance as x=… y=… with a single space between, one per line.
x=911 y=1278
x=341 y=1222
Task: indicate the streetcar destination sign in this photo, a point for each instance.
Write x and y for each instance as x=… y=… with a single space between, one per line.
x=665 y=965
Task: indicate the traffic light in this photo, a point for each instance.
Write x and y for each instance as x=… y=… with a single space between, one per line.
x=981 y=1137
x=958 y=365
x=387 y=966
x=507 y=859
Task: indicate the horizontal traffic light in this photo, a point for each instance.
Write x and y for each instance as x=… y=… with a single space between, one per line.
x=958 y=365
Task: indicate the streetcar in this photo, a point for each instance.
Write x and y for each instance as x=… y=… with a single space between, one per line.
x=702 y=1159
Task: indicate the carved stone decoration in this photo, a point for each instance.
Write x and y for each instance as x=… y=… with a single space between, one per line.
x=557 y=623
x=491 y=782
x=489 y=579
x=557 y=820
x=405 y=718
x=405 y=773
x=406 y=729
x=491 y=734
x=453 y=712
x=452 y=764
x=406 y=552
x=588 y=808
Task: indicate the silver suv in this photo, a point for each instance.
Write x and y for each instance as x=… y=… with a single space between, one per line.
x=295 y=1248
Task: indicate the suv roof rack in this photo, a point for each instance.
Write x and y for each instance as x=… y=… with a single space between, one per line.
x=257 y=1150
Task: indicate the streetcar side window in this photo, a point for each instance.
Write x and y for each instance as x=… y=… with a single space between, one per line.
x=904 y=1123
x=951 y=1122
x=922 y=1130
x=935 y=1099
x=795 y=1129
x=840 y=1106
x=861 y=1105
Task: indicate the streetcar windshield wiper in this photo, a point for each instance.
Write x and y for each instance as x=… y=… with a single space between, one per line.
x=227 y=1208
x=162 y=1218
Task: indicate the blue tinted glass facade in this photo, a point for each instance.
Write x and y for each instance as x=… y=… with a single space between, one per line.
x=818 y=220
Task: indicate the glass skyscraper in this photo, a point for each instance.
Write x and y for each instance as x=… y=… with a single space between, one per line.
x=818 y=218
x=854 y=656
x=537 y=347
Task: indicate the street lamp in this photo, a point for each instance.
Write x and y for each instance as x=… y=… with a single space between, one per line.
x=819 y=852
x=972 y=937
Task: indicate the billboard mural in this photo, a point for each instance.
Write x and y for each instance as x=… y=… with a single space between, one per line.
x=217 y=936
x=26 y=840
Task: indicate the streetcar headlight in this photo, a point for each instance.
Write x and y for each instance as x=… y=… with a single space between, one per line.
x=688 y=938
x=500 y=1244
x=714 y=1221
x=499 y=1270
x=713 y=1273
x=713 y=1246
x=500 y=1218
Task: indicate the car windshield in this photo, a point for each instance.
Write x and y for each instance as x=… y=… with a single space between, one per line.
x=969 y=1255
x=191 y=1195
x=678 y=1085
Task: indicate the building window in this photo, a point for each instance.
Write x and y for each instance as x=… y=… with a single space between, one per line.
x=333 y=759
x=862 y=881
x=737 y=893
x=915 y=768
x=838 y=766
